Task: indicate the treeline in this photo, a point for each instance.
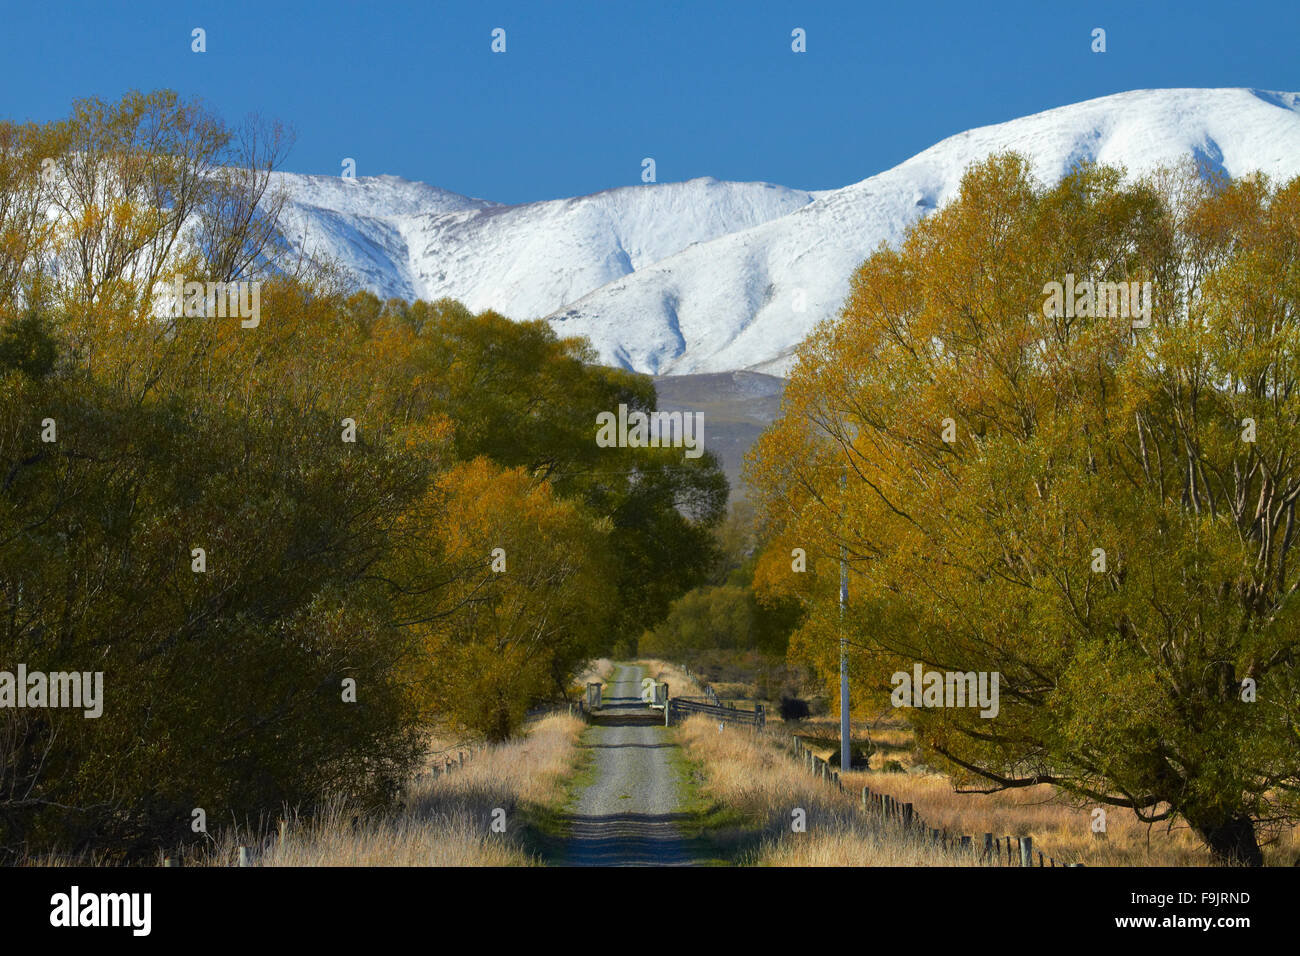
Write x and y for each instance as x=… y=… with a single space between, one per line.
x=1095 y=501
x=726 y=617
x=289 y=546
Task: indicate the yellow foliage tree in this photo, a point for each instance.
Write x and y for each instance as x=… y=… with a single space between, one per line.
x=1029 y=480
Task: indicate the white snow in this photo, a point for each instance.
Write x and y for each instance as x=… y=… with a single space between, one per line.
x=527 y=260
x=702 y=276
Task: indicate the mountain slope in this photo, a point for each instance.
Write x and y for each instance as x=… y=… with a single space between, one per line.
x=526 y=260
x=737 y=407
x=731 y=303
x=708 y=276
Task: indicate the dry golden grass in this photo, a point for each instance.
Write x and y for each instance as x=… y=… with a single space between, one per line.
x=752 y=773
x=444 y=818
x=892 y=738
x=1060 y=826
x=679 y=684
x=595 y=670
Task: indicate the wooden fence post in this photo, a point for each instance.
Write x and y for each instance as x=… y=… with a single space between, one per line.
x=988 y=847
x=965 y=844
x=243 y=856
x=1026 y=851
x=907 y=815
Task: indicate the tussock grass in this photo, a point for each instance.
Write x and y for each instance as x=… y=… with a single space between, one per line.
x=595 y=670
x=1060 y=825
x=1061 y=828
x=753 y=774
x=443 y=819
x=733 y=690
x=679 y=685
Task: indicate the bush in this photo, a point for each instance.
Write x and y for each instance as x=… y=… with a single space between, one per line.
x=859 y=752
x=792 y=708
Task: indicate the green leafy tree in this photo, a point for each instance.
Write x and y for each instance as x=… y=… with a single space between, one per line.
x=1102 y=514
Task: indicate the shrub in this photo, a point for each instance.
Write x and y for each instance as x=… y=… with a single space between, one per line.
x=792 y=708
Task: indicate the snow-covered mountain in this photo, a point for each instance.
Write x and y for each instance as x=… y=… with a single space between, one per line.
x=709 y=276
x=413 y=241
x=362 y=223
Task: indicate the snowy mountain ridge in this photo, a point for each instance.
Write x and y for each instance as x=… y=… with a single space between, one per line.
x=710 y=276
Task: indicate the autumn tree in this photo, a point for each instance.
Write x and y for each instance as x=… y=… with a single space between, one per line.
x=277 y=542
x=180 y=512
x=1099 y=509
x=529 y=606
x=524 y=397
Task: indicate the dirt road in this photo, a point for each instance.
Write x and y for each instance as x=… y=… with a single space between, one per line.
x=628 y=815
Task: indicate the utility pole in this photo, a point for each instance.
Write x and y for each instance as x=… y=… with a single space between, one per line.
x=846 y=758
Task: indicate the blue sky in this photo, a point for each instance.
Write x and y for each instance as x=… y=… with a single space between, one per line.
x=586 y=90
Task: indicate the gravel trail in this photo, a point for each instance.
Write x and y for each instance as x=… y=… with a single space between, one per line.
x=628 y=815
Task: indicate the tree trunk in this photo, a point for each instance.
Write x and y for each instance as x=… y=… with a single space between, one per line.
x=500 y=725
x=1232 y=842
